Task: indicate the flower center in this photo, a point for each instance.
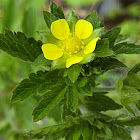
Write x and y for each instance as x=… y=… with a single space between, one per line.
x=72 y=45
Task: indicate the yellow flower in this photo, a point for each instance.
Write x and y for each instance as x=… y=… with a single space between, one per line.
x=72 y=47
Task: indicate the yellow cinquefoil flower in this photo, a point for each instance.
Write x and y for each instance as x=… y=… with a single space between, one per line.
x=72 y=47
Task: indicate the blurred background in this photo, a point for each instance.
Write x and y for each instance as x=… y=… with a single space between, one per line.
x=26 y=16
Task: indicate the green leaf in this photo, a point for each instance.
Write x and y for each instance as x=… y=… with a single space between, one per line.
x=121 y=133
x=86 y=132
x=93 y=134
x=67 y=112
x=105 y=64
x=129 y=95
x=90 y=119
x=120 y=116
x=126 y=48
x=66 y=129
x=50 y=99
x=100 y=102
x=135 y=69
x=138 y=105
x=121 y=39
x=130 y=90
x=29 y=22
x=40 y=61
x=18 y=45
x=72 y=98
x=112 y=35
x=94 y=19
x=104 y=132
x=57 y=11
x=82 y=81
x=56 y=113
x=78 y=127
x=108 y=132
x=77 y=133
x=102 y=49
x=49 y=18
x=40 y=83
x=68 y=81
x=129 y=109
x=54 y=131
x=72 y=20
x=132 y=80
x=133 y=121
x=86 y=90
x=73 y=72
x=120 y=85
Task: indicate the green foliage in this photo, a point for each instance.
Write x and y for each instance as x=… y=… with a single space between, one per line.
x=83 y=127
x=72 y=98
x=72 y=19
x=134 y=121
x=85 y=89
x=80 y=100
x=112 y=63
x=126 y=48
x=73 y=72
x=112 y=35
x=102 y=49
x=100 y=102
x=40 y=82
x=49 y=18
x=57 y=11
x=50 y=99
x=18 y=45
x=129 y=88
x=121 y=134
x=94 y=19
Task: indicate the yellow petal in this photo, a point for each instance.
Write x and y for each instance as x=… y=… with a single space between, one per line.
x=73 y=60
x=60 y=29
x=91 y=46
x=83 y=29
x=51 y=51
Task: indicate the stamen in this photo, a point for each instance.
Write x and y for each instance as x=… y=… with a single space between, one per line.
x=72 y=45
